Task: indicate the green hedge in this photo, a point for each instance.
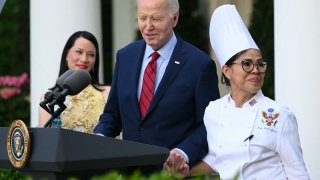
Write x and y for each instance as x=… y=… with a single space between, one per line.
x=15 y=58
x=6 y=174
x=112 y=175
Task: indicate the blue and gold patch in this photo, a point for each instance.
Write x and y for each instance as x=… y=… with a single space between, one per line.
x=270 y=118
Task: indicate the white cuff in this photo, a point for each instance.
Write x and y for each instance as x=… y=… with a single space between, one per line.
x=184 y=154
x=99 y=134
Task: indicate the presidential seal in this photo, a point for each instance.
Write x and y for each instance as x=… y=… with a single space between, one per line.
x=18 y=144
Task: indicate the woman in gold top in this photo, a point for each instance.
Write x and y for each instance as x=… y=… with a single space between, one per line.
x=83 y=110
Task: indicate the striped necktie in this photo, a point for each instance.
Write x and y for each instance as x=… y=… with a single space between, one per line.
x=148 y=83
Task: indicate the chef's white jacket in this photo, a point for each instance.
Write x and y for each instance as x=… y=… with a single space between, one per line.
x=258 y=141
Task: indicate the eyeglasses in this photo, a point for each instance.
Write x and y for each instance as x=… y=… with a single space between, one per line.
x=248 y=66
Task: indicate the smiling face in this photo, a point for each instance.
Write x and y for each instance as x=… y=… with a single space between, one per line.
x=247 y=84
x=82 y=55
x=156 y=22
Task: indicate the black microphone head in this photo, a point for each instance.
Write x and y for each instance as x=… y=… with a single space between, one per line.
x=57 y=88
x=77 y=81
x=60 y=80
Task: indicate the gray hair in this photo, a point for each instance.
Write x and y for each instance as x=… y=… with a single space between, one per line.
x=173 y=6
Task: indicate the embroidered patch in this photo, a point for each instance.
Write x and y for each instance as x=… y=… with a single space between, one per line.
x=270 y=118
x=253 y=102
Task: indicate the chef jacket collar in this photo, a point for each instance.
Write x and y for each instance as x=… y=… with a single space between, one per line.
x=251 y=103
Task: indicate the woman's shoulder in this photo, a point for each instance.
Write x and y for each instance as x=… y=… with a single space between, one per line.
x=217 y=102
x=277 y=109
x=276 y=105
x=105 y=92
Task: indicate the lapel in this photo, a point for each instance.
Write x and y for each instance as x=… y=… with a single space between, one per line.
x=135 y=67
x=174 y=66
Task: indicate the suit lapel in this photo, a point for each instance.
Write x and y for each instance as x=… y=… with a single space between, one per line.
x=135 y=66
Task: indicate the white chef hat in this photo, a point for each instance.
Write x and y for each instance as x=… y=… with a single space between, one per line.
x=228 y=33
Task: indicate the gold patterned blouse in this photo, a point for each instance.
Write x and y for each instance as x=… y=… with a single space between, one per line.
x=83 y=110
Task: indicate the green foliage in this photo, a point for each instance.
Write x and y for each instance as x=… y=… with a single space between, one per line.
x=112 y=175
x=15 y=108
x=14 y=60
x=10 y=174
x=14 y=57
x=155 y=176
x=261 y=30
x=14 y=35
x=192 y=26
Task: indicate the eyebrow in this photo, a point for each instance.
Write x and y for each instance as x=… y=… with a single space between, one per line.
x=247 y=59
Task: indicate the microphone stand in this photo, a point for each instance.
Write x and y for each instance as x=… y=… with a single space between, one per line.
x=59 y=98
x=48 y=97
x=55 y=114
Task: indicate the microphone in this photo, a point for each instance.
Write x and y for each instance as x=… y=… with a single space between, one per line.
x=72 y=85
x=54 y=90
x=77 y=82
x=60 y=80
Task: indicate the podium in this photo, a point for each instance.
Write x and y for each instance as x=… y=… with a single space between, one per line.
x=61 y=153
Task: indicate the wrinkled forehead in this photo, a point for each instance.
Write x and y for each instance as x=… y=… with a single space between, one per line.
x=150 y=7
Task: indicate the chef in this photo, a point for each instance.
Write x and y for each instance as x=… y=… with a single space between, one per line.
x=250 y=136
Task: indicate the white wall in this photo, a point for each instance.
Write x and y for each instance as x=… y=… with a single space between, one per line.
x=51 y=24
x=297 y=71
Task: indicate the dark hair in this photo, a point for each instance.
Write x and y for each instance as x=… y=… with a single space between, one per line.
x=94 y=73
x=224 y=79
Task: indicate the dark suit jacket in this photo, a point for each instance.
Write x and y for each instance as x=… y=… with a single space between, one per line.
x=175 y=116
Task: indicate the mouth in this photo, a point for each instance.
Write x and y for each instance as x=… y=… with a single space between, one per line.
x=150 y=36
x=255 y=80
x=81 y=66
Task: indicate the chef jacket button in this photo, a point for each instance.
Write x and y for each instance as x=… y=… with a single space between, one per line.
x=221 y=125
x=220 y=146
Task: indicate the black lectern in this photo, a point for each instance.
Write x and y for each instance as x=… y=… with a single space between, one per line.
x=60 y=153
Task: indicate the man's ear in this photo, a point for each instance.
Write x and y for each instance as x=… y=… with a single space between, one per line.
x=175 y=19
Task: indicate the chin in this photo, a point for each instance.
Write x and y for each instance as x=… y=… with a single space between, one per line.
x=255 y=91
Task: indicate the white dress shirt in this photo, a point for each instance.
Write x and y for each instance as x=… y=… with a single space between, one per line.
x=273 y=150
x=162 y=62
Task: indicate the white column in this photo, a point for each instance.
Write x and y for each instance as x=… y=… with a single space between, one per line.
x=124 y=23
x=297 y=71
x=51 y=24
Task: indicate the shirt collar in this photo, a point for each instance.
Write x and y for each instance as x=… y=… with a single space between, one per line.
x=251 y=103
x=166 y=51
